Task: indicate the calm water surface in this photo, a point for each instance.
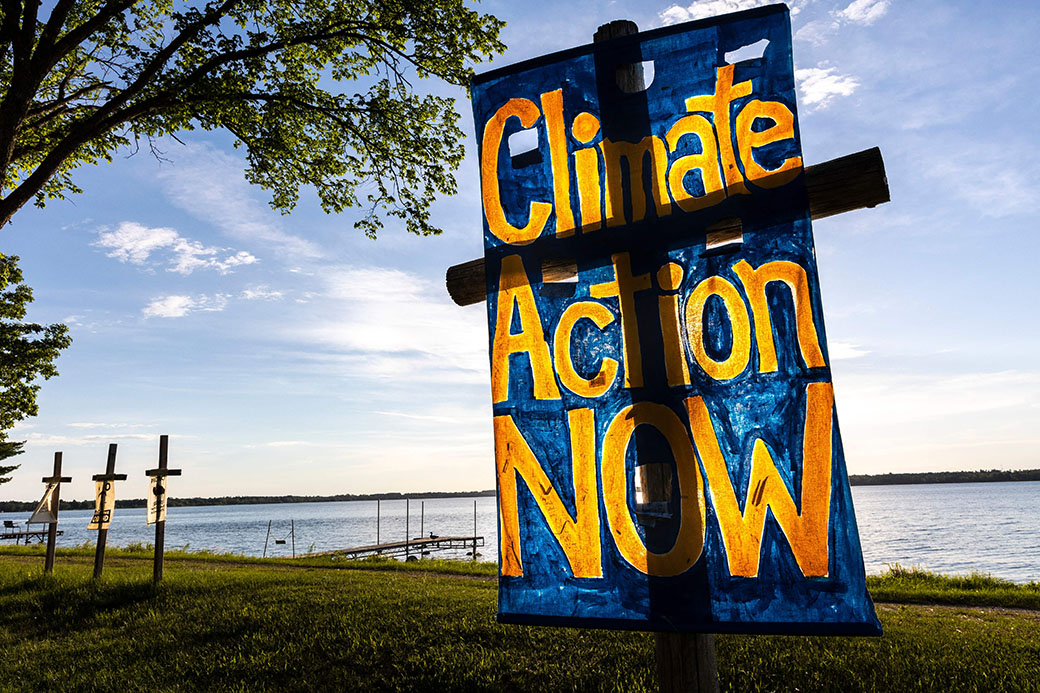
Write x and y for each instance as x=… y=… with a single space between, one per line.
x=952 y=528
x=242 y=529
x=946 y=528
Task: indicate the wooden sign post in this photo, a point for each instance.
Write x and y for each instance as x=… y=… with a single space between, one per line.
x=685 y=661
x=52 y=530
x=157 y=505
x=104 y=504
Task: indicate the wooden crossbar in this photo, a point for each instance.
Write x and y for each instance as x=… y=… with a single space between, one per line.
x=840 y=185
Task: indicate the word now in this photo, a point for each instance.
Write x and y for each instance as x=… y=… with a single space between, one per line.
x=578 y=536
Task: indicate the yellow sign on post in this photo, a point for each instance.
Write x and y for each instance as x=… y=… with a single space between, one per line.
x=104 y=503
x=156 y=500
x=47 y=509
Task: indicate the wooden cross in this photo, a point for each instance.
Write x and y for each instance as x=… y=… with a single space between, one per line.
x=52 y=530
x=101 y=518
x=159 y=491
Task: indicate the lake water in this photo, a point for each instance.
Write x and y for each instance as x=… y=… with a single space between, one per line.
x=945 y=528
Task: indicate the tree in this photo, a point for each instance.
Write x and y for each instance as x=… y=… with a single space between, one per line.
x=9 y=449
x=27 y=352
x=99 y=75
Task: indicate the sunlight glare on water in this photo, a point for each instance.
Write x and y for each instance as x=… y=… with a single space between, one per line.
x=946 y=528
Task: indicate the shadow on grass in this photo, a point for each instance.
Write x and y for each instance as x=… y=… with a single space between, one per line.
x=51 y=604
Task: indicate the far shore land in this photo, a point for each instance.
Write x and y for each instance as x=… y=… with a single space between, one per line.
x=980 y=476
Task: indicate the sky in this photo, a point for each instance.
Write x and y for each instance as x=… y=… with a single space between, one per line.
x=292 y=355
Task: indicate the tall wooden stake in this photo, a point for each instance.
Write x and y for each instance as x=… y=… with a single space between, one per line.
x=685 y=661
x=407 y=516
x=474 y=529
x=52 y=530
x=159 y=489
x=109 y=476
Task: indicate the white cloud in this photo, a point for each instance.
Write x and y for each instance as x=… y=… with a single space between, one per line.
x=389 y=324
x=93 y=424
x=454 y=416
x=711 y=8
x=177 y=306
x=897 y=399
x=864 y=11
x=997 y=183
x=296 y=444
x=841 y=351
x=134 y=243
x=899 y=421
x=261 y=292
x=819 y=85
x=193 y=256
x=209 y=184
x=815 y=32
x=34 y=439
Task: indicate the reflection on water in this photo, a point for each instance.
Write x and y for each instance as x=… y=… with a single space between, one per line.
x=946 y=528
x=242 y=529
x=952 y=528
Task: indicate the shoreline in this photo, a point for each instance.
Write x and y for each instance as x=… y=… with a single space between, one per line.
x=196 y=501
x=891 y=479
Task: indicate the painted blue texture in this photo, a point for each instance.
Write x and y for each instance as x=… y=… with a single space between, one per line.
x=754 y=405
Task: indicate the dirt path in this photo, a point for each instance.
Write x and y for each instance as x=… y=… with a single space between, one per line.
x=1031 y=614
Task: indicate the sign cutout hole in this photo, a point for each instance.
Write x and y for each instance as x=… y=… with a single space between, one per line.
x=752 y=51
x=523 y=148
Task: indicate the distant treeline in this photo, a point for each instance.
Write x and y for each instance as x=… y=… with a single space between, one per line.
x=854 y=479
x=944 y=477
x=29 y=506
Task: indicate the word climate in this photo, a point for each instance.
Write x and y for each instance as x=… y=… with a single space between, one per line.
x=690 y=181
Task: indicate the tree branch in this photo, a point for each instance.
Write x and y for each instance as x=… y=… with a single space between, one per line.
x=54 y=24
x=9 y=27
x=67 y=43
x=49 y=107
x=95 y=125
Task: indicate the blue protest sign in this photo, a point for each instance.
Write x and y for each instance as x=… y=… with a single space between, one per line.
x=667 y=447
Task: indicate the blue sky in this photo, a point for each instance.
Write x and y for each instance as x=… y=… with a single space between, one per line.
x=290 y=354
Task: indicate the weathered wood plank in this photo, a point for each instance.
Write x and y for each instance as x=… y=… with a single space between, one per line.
x=856 y=181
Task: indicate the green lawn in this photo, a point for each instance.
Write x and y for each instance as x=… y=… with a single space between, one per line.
x=223 y=623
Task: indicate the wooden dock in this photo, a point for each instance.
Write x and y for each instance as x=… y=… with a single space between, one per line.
x=39 y=535
x=420 y=546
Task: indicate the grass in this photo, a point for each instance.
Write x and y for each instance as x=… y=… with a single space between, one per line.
x=229 y=623
x=916 y=586
x=143 y=552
